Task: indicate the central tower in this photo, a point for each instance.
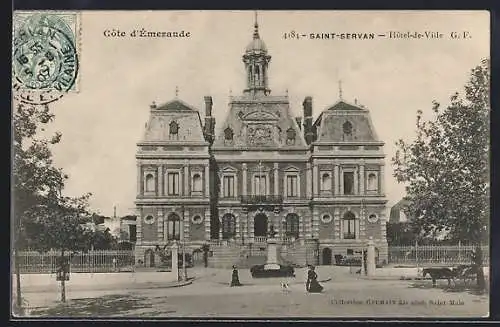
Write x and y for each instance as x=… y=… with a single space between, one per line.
x=256 y=62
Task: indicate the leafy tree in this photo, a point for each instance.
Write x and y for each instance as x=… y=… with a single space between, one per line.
x=400 y=233
x=446 y=169
x=61 y=226
x=39 y=210
x=103 y=240
x=35 y=179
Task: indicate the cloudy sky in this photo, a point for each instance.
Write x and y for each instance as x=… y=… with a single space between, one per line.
x=120 y=77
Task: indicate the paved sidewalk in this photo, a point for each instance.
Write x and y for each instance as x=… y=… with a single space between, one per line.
x=105 y=287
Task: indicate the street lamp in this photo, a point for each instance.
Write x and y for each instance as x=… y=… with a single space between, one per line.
x=183 y=245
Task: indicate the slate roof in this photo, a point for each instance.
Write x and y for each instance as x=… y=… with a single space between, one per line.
x=330 y=123
x=187 y=118
x=246 y=114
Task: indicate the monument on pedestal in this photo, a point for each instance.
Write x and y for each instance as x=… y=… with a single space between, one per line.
x=272 y=268
x=272 y=251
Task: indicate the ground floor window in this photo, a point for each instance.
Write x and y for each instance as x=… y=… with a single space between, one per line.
x=292 y=226
x=228 y=226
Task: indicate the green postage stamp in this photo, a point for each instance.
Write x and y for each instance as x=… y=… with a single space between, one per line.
x=45 y=55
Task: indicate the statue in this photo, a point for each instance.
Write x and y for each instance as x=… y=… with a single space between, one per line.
x=272 y=233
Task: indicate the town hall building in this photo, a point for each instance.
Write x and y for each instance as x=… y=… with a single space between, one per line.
x=318 y=184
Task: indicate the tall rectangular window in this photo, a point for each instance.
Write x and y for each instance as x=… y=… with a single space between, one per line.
x=292 y=189
x=228 y=186
x=173 y=184
x=348 y=183
x=260 y=185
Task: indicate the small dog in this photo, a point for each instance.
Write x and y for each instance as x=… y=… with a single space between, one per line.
x=284 y=287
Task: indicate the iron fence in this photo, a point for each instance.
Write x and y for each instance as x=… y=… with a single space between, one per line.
x=435 y=254
x=91 y=261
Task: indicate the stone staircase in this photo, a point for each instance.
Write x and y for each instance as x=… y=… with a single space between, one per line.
x=225 y=256
x=245 y=256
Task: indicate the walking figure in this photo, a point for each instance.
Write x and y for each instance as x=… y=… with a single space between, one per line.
x=235 y=279
x=312 y=285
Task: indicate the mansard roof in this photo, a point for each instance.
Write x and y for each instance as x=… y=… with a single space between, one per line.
x=259 y=122
x=176 y=105
x=331 y=121
x=185 y=116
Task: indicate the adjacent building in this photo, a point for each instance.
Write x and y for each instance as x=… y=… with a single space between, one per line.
x=319 y=184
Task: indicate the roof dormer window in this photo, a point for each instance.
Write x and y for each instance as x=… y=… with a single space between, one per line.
x=173 y=128
x=228 y=134
x=347 y=130
x=290 y=136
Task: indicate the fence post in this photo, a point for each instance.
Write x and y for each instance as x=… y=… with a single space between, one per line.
x=416 y=253
x=459 y=252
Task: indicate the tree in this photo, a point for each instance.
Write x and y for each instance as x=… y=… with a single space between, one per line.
x=446 y=169
x=400 y=233
x=37 y=182
x=61 y=225
x=103 y=240
x=35 y=178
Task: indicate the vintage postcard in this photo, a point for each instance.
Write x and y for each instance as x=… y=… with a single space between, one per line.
x=250 y=164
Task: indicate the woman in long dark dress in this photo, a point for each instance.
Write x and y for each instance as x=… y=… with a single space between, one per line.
x=235 y=279
x=312 y=285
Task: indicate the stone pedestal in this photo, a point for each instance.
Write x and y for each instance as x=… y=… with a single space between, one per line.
x=175 y=260
x=370 y=258
x=272 y=255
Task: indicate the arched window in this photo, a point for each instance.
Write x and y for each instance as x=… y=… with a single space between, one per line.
x=197 y=183
x=292 y=225
x=347 y=129
x=174 y=227
x=372 y=182
x=173 y=128
x=228 y=134
x=326 y=182
x=150 y=183
x=228 y=226
x=349 y=225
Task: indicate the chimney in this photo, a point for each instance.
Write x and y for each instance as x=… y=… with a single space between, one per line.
x=299 y=121
x=208 y=106
x=209 y=128
x=308 y=132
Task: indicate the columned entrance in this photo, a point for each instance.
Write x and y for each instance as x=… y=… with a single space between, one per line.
x=260 y=225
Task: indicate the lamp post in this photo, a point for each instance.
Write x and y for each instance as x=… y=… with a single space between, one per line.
x=183 y=245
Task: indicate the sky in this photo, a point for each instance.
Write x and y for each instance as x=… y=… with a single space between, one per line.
x=119 y=77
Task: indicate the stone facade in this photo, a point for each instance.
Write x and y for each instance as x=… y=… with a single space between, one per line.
x=319 y=183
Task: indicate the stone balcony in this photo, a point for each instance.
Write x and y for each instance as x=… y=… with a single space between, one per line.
x=261 y=199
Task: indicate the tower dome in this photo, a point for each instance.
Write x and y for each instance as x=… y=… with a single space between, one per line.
x=256 y=45
x=256 y=60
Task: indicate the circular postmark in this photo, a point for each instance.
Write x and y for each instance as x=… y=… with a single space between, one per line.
x=44 y=60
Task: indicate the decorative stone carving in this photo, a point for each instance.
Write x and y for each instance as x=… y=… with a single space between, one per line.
x=259 y=135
